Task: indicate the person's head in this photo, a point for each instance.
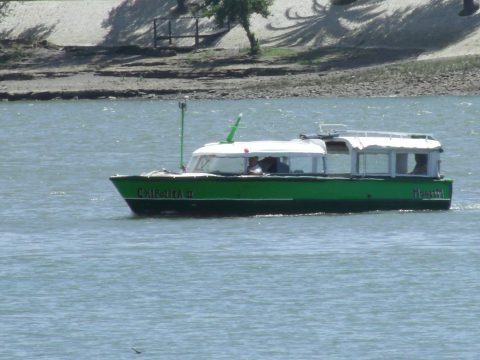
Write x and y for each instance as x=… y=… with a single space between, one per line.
x=253 y=161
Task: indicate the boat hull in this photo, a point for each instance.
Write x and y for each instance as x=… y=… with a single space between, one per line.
x=247 y=195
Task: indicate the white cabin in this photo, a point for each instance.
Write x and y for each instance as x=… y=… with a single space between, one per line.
x=337 y=153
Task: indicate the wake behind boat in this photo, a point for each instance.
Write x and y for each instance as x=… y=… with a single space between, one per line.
x=334 y=170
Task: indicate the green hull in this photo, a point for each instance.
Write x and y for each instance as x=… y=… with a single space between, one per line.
x=246 y=195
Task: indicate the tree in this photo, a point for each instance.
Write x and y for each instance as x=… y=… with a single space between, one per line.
x=181 y=6
x=3 y=8
x=469 y=7
x=241 y=11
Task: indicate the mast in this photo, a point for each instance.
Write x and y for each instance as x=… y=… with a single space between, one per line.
x=182 y=104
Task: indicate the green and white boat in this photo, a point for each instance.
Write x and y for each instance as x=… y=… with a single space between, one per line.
x=336 y=170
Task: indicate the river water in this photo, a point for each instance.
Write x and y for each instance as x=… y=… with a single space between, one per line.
x=82 y=278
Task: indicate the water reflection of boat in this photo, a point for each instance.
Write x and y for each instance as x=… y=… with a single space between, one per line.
x=335 y=170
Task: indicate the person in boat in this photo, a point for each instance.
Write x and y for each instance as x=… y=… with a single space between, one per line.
x=421 y=161
x=268 y=164
x=273 y=165
x=254 y=167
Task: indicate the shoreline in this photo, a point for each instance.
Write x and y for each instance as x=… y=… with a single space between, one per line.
x=47 y=72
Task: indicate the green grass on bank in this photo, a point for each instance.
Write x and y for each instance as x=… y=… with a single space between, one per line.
x=377 y=70
x=414 y=69
x=432 y=66
x=329 y=55
x=312 y=56
x=274 y=52
x=326 y=55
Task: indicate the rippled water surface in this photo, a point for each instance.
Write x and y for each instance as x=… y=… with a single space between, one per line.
x=82 y=278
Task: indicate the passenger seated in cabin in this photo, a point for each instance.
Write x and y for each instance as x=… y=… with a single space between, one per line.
x=421 y=161
x=273 y=165
x=254 y=167
x=268 y=164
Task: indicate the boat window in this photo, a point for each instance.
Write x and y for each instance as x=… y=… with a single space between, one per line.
x=199 y=164
x=411 y=164
x=275 y=164
x=306 y=165
x=373 y=164
x=338 y=158
x=338 y=164
x=192 y=163
x=217 y=164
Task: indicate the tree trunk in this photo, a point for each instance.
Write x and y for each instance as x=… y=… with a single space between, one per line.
x=469 y=7
x=254 y=47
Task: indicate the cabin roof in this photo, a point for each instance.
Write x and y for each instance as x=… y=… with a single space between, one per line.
x=362 y=143
x=361 y=140
x=264 y=148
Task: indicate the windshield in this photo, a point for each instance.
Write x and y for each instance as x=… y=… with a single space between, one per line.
x=216 y=164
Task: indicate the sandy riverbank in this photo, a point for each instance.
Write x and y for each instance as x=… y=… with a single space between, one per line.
x=312 y=49
x=431 y=25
